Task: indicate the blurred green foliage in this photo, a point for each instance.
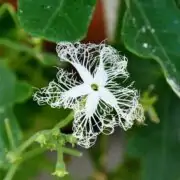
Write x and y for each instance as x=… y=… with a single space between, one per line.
x=23 y=66
x=158 y=146
x=146 y=31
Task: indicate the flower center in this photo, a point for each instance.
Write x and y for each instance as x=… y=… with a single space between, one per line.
x=94 y=87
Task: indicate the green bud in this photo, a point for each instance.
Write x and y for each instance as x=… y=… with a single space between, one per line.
x=71 y=139
x=36 y=40
x=41 y=139
x=60 y=170
x=61 y=142
x=60 y=173
x=56 y=133
x=51 y=146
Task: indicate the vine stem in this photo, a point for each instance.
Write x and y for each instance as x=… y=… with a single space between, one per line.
x=12 y=170
x=71 y=152
x=61 y=124
x=9 y=133
x=26 y=156
x=66 y=121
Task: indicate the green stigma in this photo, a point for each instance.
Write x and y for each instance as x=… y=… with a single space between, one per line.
x=94 y=87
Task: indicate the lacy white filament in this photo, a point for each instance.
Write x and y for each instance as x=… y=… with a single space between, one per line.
x=99 y=101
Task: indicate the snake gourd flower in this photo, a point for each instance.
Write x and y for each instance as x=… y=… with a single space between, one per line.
x=93 y=91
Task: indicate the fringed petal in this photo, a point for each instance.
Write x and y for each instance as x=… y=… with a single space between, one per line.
x=66 y=92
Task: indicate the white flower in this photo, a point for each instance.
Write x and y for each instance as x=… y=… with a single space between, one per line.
x=93 y=91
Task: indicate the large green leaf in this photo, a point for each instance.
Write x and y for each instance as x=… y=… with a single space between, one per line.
x=151 y=30
x=57 y=20
x=158 y=146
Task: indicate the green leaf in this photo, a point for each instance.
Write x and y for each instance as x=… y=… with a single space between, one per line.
x=57 y=20
x=151 y=30
x=158 y=146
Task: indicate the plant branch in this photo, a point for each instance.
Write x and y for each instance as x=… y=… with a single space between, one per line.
x=9 y=133
x=61 y=124
x=71 y=152
x=18 y=152
x=12 y=171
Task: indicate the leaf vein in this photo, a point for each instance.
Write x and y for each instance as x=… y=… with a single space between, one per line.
x=53 y=16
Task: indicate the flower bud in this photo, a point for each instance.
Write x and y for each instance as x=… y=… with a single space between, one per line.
x=41 y=139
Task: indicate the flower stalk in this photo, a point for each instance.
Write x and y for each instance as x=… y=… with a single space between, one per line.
x=60 y=170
